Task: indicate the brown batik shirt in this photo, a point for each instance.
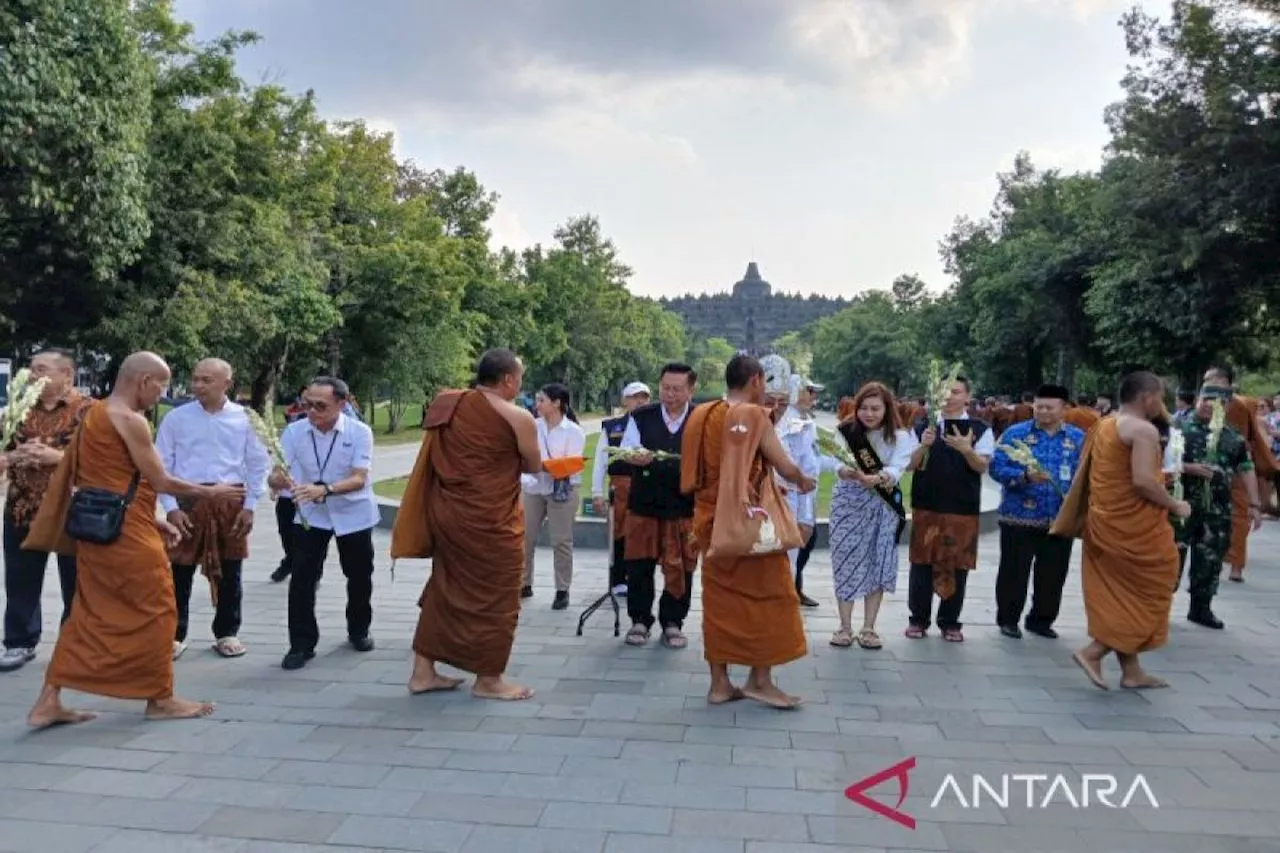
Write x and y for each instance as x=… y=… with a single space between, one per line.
x=54 y=427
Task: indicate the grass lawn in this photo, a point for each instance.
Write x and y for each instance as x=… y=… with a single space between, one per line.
x=395 y=488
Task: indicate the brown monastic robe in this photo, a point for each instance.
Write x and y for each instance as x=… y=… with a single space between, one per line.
x=1242 y=416
x=750 y=608
x=462 y=509
x=1130 y=561
x=118 y=640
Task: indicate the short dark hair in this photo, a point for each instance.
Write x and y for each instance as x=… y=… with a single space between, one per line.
x=1222 y=371
x=340 y=389
x=1188 y=397
x=60 y=352
x=1029 y=397
x=1051 y=392
x=740 y=370
x=495 y=365
x=968 y=386
x=679 y=367
x=1138 y=383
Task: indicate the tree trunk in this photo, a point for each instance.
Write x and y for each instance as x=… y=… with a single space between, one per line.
x=396 y=407
x=1067 y=370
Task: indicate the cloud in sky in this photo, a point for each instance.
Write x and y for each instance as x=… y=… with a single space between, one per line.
x=834 y=140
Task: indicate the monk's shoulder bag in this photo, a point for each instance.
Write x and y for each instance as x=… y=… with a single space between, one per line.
x=97 y=515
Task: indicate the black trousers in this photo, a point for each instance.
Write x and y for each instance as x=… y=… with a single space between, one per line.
x=920 y=599
x=1021 y=548
x=618 y=565
x=355 y=555
x=672 y=611
x=226 y=613
x=803 y=558
x=23 y=586
x=286 y=511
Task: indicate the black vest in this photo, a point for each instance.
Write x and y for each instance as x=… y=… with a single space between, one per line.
x=655 y=488
x=947 y=484
x=612 y=430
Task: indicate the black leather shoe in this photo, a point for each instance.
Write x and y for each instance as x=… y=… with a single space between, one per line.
x=364 y=644
x=806 y=601
x=526 y=592
x=296 y=660
x=280 y=574
x=1042 y=631
x=1012 y=631
x=561 y=602
x=1206 y=618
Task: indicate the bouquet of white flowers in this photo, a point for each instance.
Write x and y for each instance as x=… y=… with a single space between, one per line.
x=24 y=393
x=265 y=430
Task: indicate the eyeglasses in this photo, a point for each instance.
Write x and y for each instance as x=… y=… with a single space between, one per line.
x=316 y=406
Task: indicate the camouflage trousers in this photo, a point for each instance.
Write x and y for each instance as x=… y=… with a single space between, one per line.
x=1206 y=536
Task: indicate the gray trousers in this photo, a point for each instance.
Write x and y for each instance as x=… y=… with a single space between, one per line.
x=559 y=517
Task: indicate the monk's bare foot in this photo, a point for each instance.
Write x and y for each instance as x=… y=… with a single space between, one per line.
x=1092 y=667
x=49 y=712
x=501 y=689
x=174 y=708
x=722 y=695
x=1142 y=681
x=433 y=684
x=769 y=694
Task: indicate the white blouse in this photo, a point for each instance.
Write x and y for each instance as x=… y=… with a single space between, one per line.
x=897 y=456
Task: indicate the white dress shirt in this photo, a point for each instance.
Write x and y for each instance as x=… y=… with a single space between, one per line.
x=897 y=456
x=562 y=441
x=600 y=468
x=631 y=438
x=218 y=447
x=317 y=457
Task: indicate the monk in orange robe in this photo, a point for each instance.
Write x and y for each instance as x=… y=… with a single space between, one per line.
x=750 y=608
x=1119 y=506
x=1242 y=416
x=118 y=640
x=1025 y=410
x=1082 y=417
x=462 y=508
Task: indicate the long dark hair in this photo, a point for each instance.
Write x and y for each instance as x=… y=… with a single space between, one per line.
x=557 y=392
x=892 y=422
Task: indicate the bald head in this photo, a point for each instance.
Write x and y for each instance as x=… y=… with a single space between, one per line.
x=211 y=383
x=141 y=365
x=216 y=366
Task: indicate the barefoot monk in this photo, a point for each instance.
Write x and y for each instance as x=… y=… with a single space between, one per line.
x=462 y=508
x=118 y=640
x=751 y=611
x=1119 y=506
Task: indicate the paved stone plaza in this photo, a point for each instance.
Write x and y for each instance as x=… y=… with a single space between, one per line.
x=619 y=753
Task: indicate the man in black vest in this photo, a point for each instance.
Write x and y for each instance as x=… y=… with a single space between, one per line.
x=635 y=395
x=946 y=501
x=659 y=518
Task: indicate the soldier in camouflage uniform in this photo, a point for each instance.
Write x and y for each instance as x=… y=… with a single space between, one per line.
x=1207 y=479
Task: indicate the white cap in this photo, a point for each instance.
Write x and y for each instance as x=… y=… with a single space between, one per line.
x=634 y=388
x=813 y=386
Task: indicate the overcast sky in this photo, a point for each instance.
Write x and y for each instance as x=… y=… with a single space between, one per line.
x=833 y=141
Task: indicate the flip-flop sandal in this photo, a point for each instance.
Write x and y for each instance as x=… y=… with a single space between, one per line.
x=637 y=636
x=915 y=633
x=953 y=635
x=673 y=638
x=842 y=639
x=869 y=640
x=229 y=647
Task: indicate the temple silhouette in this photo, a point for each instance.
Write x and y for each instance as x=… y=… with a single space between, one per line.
x=751 y=316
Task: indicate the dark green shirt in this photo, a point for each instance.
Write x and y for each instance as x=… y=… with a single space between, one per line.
x=1231 y=456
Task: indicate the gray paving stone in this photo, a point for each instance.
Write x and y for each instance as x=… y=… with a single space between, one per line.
x=702 y=823
x=361 y=801
x=626 y=843
x=685 y=796
x=272 y=824
x=399 y=833
x=346 y=775
x=130 y=841
x=506 y=839
x=150 y=786
x=652 y=820
x=28 y=836
x=468 y=808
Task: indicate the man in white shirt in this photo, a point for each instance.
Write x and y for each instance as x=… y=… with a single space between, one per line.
x=330 y=454
x=211 y=441
x=634 y=395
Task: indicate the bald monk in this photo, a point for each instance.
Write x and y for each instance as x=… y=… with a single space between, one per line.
x=750 y=608
x=1242 y=416
x=462 y=508
x=1119 y=506
x=118 y=639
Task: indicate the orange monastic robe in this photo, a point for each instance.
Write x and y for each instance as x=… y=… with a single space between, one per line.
x=1023 y=412
x=750 y=608
x=118 y=640
x=1242 y=416
x=1130 y=561
x=1082 y=417
x=462 y=509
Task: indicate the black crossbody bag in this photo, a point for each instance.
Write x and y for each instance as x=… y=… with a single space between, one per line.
x=97 y=515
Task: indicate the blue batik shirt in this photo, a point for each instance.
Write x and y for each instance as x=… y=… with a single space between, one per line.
x=1036 y=504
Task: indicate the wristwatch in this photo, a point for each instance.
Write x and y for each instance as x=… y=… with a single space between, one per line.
x=328 y=490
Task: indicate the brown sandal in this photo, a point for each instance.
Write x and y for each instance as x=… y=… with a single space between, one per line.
x=842 y=639
x=869 y=639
